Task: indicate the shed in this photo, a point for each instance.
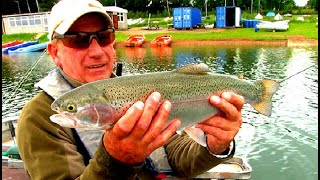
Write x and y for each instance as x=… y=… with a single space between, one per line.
x=27 y=23
x=38 y=22
x=119 y=16
x=228 y=16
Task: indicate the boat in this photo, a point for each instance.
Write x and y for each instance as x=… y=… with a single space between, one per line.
x=209 y=26
x=12 y=43
x=31 y=48
x=134 y=40
x=25 y=44
x=162 y=40
x=234 y=168
x=277 y=25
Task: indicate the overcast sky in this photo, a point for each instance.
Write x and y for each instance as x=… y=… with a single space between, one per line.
x=301 y=2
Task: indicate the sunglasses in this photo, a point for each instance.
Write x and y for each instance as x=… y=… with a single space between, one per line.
x=82 y=40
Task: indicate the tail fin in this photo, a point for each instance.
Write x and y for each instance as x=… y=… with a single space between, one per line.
x=269 y=87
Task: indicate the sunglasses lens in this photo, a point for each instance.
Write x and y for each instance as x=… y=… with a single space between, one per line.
x=76 y=41
x=105 y=38
x=83 y=40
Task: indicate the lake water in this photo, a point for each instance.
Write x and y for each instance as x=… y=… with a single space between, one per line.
x=283 y=146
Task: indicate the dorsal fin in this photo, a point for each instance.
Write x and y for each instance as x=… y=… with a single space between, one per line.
x=194 y=69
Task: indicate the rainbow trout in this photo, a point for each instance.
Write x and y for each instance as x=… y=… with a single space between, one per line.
x=101 y=103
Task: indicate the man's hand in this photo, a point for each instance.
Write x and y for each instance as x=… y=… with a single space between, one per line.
x=223 y=127
x=140 y=131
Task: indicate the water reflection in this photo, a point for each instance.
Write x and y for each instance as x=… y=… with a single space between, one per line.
x=283 y=146
x=15 y=70
x=135 y=55
x=162 y=53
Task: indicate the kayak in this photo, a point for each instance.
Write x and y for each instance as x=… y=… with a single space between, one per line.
x=25 y=44
x=12 y=43
x=31 y=48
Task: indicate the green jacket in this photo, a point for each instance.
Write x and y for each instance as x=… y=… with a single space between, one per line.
x=50 y=151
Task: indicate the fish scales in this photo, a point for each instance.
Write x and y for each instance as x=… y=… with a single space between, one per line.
x=175 y=86
x=101 y=103
x=188 y=93
x=185 y=90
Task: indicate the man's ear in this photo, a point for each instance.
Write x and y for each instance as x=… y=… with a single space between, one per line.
x=53 y=51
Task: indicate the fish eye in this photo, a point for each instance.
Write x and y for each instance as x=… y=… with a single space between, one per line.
x=71 y=108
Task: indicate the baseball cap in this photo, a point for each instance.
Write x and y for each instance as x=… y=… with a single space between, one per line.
x=66 y=12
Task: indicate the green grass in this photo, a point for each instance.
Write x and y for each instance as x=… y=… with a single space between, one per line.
x=24 y=36
x=296 y=28
x=212 y=19
x=307 y=29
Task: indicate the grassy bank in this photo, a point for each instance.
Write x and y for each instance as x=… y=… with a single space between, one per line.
x=25 y=37
x=308 y=29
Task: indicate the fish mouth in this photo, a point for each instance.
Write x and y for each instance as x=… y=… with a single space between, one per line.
x=68 y=120
x=63 y=120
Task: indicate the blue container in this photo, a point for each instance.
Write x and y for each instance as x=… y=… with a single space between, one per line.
x=228 y=16
x=177 y=18
x=186 y=17
x=250 y=24
x=254 y=23
x=220 y=17
x=246 y=23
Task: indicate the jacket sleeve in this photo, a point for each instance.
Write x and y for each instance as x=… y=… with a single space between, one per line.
x=189 y=159
x=49 y=151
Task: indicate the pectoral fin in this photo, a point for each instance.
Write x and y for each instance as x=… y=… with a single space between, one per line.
x=197 y=135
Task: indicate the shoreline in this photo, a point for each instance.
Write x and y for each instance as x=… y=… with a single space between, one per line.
x=286 y=41
x=290 y=42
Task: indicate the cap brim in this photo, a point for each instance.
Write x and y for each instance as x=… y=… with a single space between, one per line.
x=67 y=23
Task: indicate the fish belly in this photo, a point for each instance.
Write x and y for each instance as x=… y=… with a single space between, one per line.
x=192 y=111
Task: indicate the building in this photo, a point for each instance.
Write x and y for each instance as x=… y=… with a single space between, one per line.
x=119 y=16
x=38 y=22
x=26 y=23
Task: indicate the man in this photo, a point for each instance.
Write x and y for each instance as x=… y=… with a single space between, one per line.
x=82 y=39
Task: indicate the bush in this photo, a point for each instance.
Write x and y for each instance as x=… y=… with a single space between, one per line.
x=301 y=11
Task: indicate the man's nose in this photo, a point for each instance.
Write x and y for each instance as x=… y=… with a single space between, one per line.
x=95 y=48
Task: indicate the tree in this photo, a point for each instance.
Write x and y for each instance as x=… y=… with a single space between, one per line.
x=46 y=5
x=108 y=2
x=313 y=4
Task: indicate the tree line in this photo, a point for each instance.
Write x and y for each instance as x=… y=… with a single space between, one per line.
x=164 y=6
x=285 y=6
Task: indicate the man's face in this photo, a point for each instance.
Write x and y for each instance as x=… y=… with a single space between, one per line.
x=85 y=64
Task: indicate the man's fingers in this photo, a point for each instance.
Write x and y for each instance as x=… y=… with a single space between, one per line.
x=126 y=123
x=165 y=135
x=218 y=133
x=157 y=123
x=150 y=109
x=218 y=122
x=235 y=99
x=227 y=108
